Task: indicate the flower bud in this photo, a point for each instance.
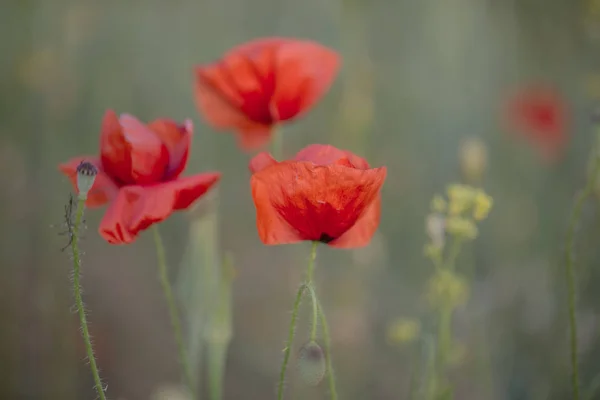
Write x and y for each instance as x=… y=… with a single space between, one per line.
x=86 y=174
x=473 y=160
x=311 y=363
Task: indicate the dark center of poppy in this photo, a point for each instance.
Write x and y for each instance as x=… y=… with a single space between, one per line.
x=325 y=238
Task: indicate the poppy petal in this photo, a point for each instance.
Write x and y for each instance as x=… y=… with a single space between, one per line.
x=363 y=230
x=114 y=149
x=221 y=114
x=305 y=71
x=261 y=161
x=177 y=138
x=303 y=201
x=136 y=208
x=539 y=113
x=104 y=188
x=321 y=154
x=115 y=225
x=149 y=156
x=272 y=227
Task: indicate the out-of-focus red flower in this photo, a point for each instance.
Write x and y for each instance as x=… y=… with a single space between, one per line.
x=540 y=114
x=261 y=83
x=324 y=194
x=138 y=174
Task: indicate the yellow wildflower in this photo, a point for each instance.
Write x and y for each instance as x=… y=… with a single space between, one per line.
x=403 y=330
x=447 y=289
x=482 y=206
x=460 y=198
x=461 y=227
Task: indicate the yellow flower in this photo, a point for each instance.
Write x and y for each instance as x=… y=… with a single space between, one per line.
x=483 y=205
x=461 y=227
x=403 y=330
x=447 y=289
x=460 y=198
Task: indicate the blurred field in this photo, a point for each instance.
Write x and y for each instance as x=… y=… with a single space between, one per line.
x=419 y=78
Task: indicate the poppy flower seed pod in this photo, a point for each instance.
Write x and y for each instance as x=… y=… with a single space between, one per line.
x=86 y=175
x=311 y=363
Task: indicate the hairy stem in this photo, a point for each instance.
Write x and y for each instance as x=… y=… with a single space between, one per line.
x=290 y=341
x=570 y=272
x=173 y=311
x=292 y=331
x=79 y=301
x=327 y=342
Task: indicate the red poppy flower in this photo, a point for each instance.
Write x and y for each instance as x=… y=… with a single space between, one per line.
x=138 y=174
x=540 y=114
x=262 y=83
x=323 y=194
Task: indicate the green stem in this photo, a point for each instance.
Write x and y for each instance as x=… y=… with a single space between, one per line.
x=444 y=336
x=327 y=340
x=290 y=341
x=277 y=144
x=288 y=346
x=173 y=311
x=315 y=312
x=309 y=278
x=453 y=254
x=570 y=273
x=311 y=262
x=79 y=301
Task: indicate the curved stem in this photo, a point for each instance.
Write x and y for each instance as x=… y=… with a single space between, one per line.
x=173 y=311
x=292 y=331
x=318 y=311
x=570 y=272
x=79 y=301
x=315 y=312
x=290 y=341
x=327 y=340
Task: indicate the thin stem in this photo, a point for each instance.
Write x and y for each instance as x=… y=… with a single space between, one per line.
x=290 y=341
x=311 y=262
x=173 y=311
x=570 y=273
x=79 y=301
x=444 y=336
x=288 y=346
x=453 y=253
x=277 y=144
x=327 y=342
x=313 y=331
x=315 y=313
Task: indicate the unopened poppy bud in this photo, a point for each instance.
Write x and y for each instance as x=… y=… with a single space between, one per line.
x=86 y=174
x=311 y=363
x=473 y=160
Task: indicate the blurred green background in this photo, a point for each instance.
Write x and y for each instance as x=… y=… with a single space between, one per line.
x=418 y=78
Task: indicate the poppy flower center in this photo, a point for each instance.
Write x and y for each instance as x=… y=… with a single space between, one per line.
x=325 y=238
